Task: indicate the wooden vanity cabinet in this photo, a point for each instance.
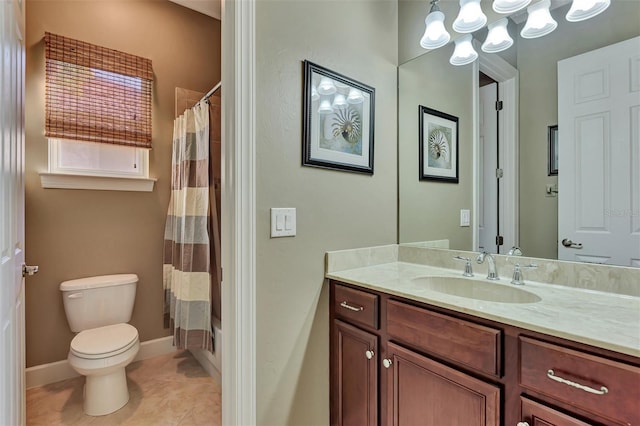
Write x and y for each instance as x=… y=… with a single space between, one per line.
x=354 y=389
x=423 y=391
x=397 y=362
x=535 y=414
x=375 y=380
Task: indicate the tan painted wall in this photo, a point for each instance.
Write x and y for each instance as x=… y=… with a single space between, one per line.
x=537 y=63
x=429 y=210
x=335 y=210
x=76 y=233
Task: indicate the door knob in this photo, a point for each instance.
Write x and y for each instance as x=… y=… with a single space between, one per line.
x=29 y=270
x=386 y=362
x=369 y=354
x=570 y=244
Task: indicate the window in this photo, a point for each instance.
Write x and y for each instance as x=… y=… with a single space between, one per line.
x=98 y=113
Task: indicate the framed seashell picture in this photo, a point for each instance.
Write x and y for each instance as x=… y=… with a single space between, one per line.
x=438 y=139
x=338 y=121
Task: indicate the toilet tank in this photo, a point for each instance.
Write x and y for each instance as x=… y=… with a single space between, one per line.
x=98 y=301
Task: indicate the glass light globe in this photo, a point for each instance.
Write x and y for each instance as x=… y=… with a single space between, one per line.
x=498 y=38
x=355 y=97
x=339 y=101
x=325 y=107
x=464 y=53
x=509 y=6
x=539 y=22
x=326 y=87
x=470 y=18
x=435 y=34
x=585 y=9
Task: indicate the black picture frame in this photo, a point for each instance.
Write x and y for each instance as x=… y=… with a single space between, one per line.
x=552 y=162
x=338 y=127
x=438 y=145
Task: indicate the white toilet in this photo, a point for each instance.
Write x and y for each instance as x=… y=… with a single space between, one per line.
x=98 y=309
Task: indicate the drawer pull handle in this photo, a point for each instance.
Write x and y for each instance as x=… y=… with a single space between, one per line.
x=603 y=390
x=346 y=305
x=522 y=424
x=387 y=363
x=369 y=354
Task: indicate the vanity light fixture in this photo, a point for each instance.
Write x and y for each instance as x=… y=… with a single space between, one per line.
x=326 y=87
x=539 y=22
x=435 y=34
x=355 y=96
x=325 y=107
x=585 y=9
x=470 y=18
x=339 y=101
x=498 y=38
x=509 y=6
x=464 y=53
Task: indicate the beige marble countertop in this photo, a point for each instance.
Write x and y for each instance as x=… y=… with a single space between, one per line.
x=597 y=318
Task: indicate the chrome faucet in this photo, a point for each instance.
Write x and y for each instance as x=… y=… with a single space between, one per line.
x=492 y=274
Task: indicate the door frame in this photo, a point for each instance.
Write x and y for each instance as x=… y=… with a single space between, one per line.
x=238 y=213
x=508 y=82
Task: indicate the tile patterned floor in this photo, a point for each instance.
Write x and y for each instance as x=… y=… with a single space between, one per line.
x=168 y=390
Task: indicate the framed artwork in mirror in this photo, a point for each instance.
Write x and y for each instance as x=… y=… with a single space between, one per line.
x=553 y=150
x=338 y=114
x=438 y=145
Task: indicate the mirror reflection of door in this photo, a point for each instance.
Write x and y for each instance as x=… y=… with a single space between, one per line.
x=599 y=130
x=488 y=191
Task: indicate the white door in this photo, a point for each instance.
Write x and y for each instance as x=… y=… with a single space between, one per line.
x=599 y=155
x=488 y=219
x=12 y=359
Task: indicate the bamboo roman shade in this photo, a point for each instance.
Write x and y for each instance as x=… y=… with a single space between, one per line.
x=97 y=94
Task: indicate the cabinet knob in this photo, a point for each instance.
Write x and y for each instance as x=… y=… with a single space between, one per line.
x=369 y=354
x=386 y=362
x=522 y=424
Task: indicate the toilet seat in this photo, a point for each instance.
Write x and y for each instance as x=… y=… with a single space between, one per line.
x=104 y=342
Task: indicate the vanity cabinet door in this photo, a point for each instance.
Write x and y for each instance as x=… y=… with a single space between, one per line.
x=354 y=376
x=421 y=391
x=534 y=414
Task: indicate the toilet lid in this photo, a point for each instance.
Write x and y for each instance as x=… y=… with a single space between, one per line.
x=105 y=341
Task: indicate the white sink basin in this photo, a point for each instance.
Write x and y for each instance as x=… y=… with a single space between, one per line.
x=479 y=290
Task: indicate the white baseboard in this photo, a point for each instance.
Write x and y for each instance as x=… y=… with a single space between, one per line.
x=45 y=374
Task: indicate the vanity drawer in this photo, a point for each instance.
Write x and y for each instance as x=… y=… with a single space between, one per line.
x=463 y=342
x=560 y=373
x=357 y=306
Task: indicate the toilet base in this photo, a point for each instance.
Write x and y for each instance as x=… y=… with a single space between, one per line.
x=106 y=393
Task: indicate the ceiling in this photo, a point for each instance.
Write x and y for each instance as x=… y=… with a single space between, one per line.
x=206 y=7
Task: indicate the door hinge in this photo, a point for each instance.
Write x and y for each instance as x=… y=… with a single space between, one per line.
x=498 y=105
x=499 y=173
x=499 y=240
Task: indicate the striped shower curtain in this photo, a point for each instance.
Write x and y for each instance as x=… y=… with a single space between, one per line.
x=187 y=268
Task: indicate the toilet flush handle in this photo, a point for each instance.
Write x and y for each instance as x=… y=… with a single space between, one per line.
x=74 y=295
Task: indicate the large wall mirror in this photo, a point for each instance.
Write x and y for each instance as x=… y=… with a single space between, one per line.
x=525 y=204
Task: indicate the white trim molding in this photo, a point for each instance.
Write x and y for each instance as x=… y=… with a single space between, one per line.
x=508 y=83
x=239 y=213
x=100 y=183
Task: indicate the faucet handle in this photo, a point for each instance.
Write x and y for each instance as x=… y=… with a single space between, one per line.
x=468 y=271
x=517 y=273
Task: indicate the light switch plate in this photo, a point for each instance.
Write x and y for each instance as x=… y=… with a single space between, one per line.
x=283 y=222
x=465 y=217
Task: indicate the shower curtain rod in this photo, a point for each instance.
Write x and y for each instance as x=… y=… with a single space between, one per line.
x=211 y=92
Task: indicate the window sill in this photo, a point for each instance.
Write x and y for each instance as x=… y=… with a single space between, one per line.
x=100 y=183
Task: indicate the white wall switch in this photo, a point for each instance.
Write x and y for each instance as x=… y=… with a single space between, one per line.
x=465 y=217
x=283 y=222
